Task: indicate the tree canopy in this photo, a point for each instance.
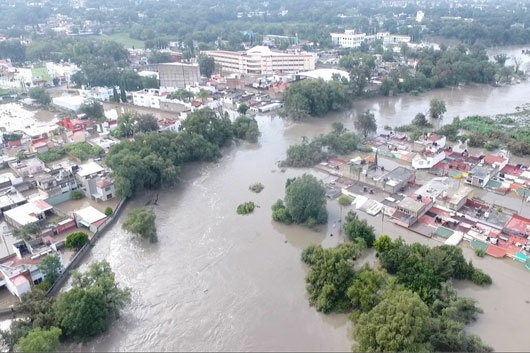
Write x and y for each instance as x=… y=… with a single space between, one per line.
x=38 y=340
x=305 y=200
x=141 y=222
x=366 y=124
x=40 y=95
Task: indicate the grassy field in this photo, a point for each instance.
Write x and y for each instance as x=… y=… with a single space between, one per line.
x=122 y=38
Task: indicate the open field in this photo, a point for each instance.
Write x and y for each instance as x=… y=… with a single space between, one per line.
x=122 y=38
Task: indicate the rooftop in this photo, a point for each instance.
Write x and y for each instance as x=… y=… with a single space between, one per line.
x=90 y=214
x=89 y=169
x=27 y=213
x=411 y=204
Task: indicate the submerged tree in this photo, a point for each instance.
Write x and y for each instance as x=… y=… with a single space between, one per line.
x=366 y=124
x=141 y=221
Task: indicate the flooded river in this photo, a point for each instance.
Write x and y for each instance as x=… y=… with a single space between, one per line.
x=219 y=281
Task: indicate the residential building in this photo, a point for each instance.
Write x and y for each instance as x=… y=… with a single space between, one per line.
x=395 y=180
x=455 y=199
x=28 y=213
x=260 y=60
x=10 y=198
x=410 y=209
x=95 y=182
x=27 y=167
x=59 y=181
x=97 y=93
x=178 y=75
x=149 y=98
x=490 y=166
x=72 y=124
x=89 y=217
x=40 y=145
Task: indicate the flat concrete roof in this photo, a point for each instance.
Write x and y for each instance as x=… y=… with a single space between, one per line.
x=90 y=214
x=89 y=169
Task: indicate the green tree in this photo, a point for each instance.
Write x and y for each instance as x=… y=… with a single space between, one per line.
x=388 y=55
x=501 y=59
x=368 y=289
x=206 y=65
x=115 y=95
x=145 y=123
x=76 y=240
x=203 y=95
x=330 y=275
x=366 y=124
x=92 y=110
x=100 y=279
x=141 y=221
x=108 y=211
x=305 y=200
x=420 y=120
x=81 y=314
x=38 y=340
x=158 y=57
x=246 y=128
x=51 y=268
x=210 y=125
x=437 y=108
x=40 y=95
x=399 y=323
x=356 y=228
x=280 y=213
x=242 y=109
x=345 y=201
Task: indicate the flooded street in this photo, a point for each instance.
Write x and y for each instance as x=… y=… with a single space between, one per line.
x=220 y=281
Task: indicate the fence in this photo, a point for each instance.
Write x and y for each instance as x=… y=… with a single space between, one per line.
x=78 y=257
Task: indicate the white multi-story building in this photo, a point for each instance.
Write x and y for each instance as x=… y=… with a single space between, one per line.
x=149 y=98
x=262 y=61
x=350 y=39
x=97 y=93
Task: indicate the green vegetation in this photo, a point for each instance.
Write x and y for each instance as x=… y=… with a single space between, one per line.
x=131 y=123
x=330 y=274
x=76 y=240
x=51 y=268
x=78 y=314
x=242 y=109
x=280 y=213
x=84 y=150
x=158 y=57
x=305 y=203
x=26 y=231
x=480 y=252
x=92 y=110
x=408 y=306
x=121 y=38
x=40 y=95
x=76 y=195
x=182 y=95
x=356 y=228
x=108 y=211
x=141 y=221
x=84 y=311
x=246 y=208
x=155 y=159
x=437 y=108
x=314 y=98
x=338 y=142
x=345 y=200
x=38 y=340
x=423 y=269
x=206 y=66
x=365 y=124
x=256 y=187
x=490 y=133
x=52 y=155
x=246 y=129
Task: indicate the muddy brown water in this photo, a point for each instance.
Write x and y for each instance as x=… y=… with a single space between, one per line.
x=219 y=281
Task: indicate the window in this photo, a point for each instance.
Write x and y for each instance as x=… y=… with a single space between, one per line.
x=107 y=188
